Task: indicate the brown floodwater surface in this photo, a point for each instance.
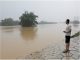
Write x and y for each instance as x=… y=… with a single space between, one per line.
x=16 y=41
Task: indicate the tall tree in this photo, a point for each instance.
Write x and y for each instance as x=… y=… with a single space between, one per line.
x=28 y=19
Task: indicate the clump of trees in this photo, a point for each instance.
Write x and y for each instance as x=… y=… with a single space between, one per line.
x=9 y=22
x=28 y=19
x=76 y=22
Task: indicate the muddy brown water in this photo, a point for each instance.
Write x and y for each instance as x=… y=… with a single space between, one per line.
x=16 y=41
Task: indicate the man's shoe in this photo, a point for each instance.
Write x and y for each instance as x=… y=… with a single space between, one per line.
x=65 y=51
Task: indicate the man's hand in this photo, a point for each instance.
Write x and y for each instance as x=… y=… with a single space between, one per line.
x=64 y=31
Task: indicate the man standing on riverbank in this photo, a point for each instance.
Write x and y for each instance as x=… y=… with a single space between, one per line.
x=67 y=36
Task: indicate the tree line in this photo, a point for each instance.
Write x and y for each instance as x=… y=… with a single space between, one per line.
x=27 y=19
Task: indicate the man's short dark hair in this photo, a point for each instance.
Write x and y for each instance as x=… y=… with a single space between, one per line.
x=67 y=20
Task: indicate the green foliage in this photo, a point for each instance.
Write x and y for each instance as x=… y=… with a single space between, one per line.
x=7 y=22
x=28 y=19
x=76 y=22
x=76 y=34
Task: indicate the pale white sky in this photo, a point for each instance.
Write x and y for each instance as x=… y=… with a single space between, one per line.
x=47 y=10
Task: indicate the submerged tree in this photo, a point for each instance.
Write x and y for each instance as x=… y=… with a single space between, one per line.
x=7 y=22
x=76 y=20
x=28 y=19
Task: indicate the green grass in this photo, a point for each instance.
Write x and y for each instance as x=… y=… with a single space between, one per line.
x=76 y=34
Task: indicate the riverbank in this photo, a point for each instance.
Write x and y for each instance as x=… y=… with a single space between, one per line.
x=55 y=52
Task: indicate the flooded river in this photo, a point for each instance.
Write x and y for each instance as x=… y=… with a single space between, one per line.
x=16 y=41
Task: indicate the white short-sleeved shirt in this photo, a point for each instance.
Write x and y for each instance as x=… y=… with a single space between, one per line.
x=68 y=28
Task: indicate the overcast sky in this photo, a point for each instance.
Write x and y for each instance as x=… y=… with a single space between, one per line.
x=47 y=10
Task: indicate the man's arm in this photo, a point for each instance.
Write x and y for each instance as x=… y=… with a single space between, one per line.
x=67 y=31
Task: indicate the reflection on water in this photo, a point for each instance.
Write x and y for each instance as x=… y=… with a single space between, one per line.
x=28 y=33
x=8 y=28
